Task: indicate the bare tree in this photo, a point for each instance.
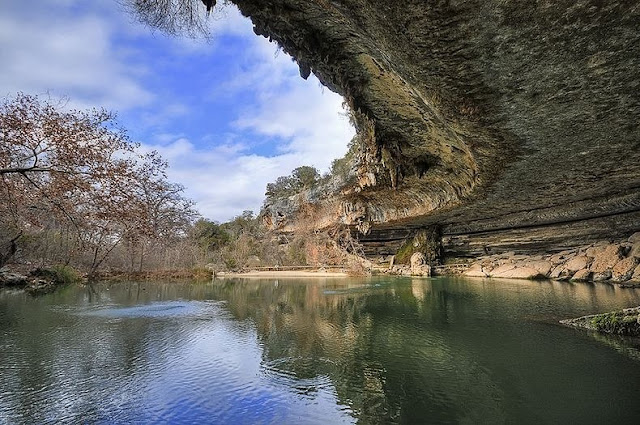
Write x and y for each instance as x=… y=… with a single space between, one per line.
x=176 y=17
x=82 y=170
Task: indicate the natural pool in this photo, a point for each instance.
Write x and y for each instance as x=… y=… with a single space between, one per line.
x=378 y=350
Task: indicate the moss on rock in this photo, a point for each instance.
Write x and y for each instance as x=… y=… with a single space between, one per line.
x=624 y=322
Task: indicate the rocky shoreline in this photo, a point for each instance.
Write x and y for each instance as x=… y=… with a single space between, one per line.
x=610 y=262
x=35 y=282
x=40 y=281
x=617 y=263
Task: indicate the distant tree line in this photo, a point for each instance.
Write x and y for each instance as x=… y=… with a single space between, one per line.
x=308 y=177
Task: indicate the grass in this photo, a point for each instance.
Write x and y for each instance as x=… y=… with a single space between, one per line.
x=403 y=256
x=616 y=323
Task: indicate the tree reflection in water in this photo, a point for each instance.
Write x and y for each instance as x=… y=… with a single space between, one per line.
x=373 y=350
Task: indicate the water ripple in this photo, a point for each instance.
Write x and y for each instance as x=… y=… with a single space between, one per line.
x=169 y=309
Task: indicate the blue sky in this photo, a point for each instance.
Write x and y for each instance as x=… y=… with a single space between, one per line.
x=229 y=114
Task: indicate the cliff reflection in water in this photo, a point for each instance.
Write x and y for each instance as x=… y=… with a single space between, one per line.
x=402 y=349
x=315 y=351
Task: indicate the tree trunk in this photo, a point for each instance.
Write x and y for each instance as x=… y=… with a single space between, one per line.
x=11 y=249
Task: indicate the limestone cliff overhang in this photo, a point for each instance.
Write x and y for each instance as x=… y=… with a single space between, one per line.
x=485 y=116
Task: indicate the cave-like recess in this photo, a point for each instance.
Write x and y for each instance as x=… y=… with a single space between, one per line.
x=512 y=125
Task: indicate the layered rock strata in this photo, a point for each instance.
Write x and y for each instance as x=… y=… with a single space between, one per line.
x=617 y=263
x=512 y=125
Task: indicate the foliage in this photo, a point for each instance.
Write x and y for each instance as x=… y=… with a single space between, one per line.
x=426 y=241
x=617 y=323
x=306 y=176
x=300 y=179
x=75 y=190
x=66 y=274
x=75 y=176
x=403 y=256
x=342 y=167
x=245 y=223
x=209 y=235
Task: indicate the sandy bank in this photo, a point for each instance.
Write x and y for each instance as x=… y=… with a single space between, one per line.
x=282 y=274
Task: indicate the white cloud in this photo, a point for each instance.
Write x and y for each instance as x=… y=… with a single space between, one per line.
x=309 y=120
x=89 y=52
x=224 y=21
x=226 y=179
x=67 y=56
x=306 y=122
x=228 y=20
x=311 y=123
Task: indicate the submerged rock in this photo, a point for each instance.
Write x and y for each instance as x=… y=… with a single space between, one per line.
x=624 y=322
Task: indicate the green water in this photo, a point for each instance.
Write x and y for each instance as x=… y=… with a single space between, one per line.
x=371 y=351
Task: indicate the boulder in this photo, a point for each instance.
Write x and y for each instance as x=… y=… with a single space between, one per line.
x=501 y=270
x=577 y=263
x=488 y=266
x=601 y=276
x=636 y=274
x=518 y=273
x=542 y=266
x=635 y=238
x=560 y=273
x=475 y=270
x=623 y=270
x=423 y=270
x=418 y=259
x=606 y=259
x=582 y=275
x=419 y=266
x=562 y=257
x=596 y=250
x=621 y=322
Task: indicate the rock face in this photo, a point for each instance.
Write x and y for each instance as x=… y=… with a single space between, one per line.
x=419 y=265
x=36 y=282
x=511 y=125
x=617 y=263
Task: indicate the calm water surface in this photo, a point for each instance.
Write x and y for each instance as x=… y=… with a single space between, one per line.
x=316 y=351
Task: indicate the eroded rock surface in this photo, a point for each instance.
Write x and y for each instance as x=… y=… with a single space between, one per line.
x=615 y=263
x=512 y=125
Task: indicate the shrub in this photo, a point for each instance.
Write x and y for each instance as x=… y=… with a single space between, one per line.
x=66 y=274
